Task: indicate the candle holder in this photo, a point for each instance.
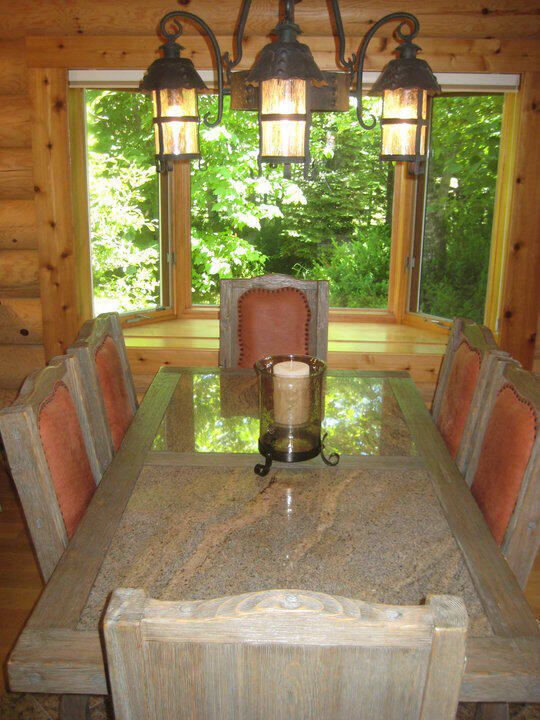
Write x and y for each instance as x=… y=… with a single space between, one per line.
x=291 y=403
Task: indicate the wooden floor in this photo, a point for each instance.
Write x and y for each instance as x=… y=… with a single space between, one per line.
x=21 y=584
x=351 y=345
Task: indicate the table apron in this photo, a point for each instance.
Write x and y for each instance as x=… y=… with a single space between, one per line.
x=69 y=661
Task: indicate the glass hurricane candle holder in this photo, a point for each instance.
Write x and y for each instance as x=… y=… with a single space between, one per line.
x=291 y=406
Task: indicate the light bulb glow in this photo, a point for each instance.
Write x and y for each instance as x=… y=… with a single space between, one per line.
x=283 y=138
x=179 y=137
x=400 y=138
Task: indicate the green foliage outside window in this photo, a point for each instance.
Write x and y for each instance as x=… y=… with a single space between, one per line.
x=337 y=225
x=123 y=201
x=459 y=206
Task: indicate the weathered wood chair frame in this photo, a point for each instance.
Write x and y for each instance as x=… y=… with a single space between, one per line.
x=90 y=339
x=27 y=461
x=316 y=292
x=283 y=654
x=480 y=338
x=522 y=537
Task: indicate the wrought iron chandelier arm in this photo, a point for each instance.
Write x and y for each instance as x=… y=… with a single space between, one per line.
x=175 y=15
x=238 y=40
x=350 y=63
x=405 y=16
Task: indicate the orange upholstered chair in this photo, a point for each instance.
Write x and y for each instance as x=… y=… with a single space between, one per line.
x=101 y=352
x=272 y=315
x=504 y=468
x=55 y=456
x=470 y=354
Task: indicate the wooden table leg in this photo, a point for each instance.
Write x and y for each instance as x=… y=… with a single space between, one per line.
x=74 y=707
x=491 y=711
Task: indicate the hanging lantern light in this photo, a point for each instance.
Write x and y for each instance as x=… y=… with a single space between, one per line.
x=285 y=72
x=175 y=84
x=405 y=85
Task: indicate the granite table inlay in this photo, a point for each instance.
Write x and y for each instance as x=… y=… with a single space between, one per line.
x=192 y=533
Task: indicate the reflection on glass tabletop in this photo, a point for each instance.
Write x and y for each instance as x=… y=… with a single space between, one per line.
x=218 y=412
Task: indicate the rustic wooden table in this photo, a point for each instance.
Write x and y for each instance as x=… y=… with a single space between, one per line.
x=181 y=514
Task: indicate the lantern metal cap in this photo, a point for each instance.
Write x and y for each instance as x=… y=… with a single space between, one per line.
x=407 y=71
x=286 y=58
x=285 y=61
x=172 y=72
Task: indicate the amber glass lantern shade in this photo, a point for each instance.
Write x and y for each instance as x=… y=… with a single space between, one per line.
x=283 y=120
x=176 y=123
x=404 y=125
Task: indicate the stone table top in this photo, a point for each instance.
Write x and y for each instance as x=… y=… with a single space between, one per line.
x=378 y=535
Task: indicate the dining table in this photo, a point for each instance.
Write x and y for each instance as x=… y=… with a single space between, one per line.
x=181 y=513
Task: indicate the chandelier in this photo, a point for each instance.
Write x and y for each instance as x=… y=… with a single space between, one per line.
x=285 y=85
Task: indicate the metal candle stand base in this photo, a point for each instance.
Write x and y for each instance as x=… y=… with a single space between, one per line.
x=270 y=454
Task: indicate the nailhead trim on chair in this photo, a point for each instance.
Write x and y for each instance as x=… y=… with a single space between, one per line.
x=254 y=291
x=525 y=401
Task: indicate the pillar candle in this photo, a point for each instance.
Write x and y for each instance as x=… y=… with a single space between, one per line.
x=291 y=393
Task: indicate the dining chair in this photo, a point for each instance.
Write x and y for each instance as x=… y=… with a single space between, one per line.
x=465 y=371
x=271 y=315
x=283 y=654
x=101 y=352
x=55 y=454
x=504 y=469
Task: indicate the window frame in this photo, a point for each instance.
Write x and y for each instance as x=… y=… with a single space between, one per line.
x=404 y=221
x=501 y=212
x=81 y=220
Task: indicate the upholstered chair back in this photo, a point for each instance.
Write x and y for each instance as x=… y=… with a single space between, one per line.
x=283 y=655
x=464 y=374
x=272 y=315
x=102 y=356
x=56 y=455
x=504 y=469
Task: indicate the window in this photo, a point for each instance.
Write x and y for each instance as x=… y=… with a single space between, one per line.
x=128 y=204
x=337 y=225
x=455 y=208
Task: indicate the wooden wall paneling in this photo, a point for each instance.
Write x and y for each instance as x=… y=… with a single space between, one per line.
x=17 y=362
x=19 y=273
x=20 y=321
x=522 y=286
x=502 y=18
x=81 y=220
x=52 y=178
x=403 y=212
x=16 y=180
x=129 y=52
x=13 y=80
x=18 y=224
x=15 y=121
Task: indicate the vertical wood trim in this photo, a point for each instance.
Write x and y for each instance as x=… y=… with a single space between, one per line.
x=52 y=178
x=181 y=230
x=403 y=212
x=81 y=215
x=502 y=210
x=522 y=277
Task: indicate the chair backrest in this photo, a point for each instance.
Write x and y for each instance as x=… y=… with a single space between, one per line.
x=271 y=315
x=465 y=371
x=504 y=468
x=283 y=654
x=101 y=352
x=55 y=454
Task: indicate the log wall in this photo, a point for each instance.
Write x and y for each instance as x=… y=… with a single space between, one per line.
x=21 y=324
x=39 y=41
